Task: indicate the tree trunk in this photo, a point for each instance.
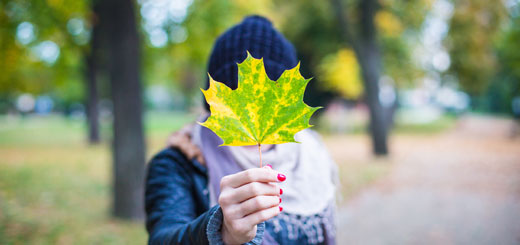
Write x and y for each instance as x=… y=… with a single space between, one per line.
x=371 y=69
x=370 y=73
x=367 y=53
x=128 y=142
x=92 y=59
x=92 y=103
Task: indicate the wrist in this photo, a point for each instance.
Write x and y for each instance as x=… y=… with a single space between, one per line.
x=227 y=236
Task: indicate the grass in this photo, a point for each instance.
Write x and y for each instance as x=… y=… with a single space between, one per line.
x=441 y=124
x=55 y=188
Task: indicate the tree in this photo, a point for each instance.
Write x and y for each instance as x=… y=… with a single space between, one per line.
x=330 y=23
x=92 y=60
x=367 y=52
x=128 y=142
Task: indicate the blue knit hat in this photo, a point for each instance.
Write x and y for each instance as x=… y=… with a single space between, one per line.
x=257 y=35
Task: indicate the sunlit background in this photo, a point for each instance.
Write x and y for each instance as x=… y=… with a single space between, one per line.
x=447 y=79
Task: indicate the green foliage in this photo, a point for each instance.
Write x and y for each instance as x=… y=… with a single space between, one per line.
x=476 y=54
x=341 y=72
x=398 y=24
x=259 y=111
x=22 y=70
x=473 y=29
x=509 y=54
x=410 y=14
x=505 y=82
x=182 y=65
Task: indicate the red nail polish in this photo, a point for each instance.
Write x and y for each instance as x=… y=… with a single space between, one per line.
x=281 y=209
x=269 y=165
x=281 y=177
x=280 y=200
x=281 y=191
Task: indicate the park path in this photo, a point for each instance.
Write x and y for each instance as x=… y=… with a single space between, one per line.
x=459 y=187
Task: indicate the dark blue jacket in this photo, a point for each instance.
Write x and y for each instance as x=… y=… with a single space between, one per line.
x=176 y=200
x=177 y=203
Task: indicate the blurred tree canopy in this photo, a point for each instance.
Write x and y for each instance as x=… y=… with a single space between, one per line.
x=46 y=40
x=473 y=31
x=44 y=43
x=42 y=47
x=398 y=24
x=506 y=84
x=188 y=38
x=341 y=72
x=483 y=42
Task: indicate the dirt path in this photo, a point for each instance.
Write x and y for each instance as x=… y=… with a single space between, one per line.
x=460 y=187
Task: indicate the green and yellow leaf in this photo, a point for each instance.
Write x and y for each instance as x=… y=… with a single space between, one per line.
x=259 y=111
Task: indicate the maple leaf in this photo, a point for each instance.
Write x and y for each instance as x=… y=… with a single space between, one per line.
x=260 y=111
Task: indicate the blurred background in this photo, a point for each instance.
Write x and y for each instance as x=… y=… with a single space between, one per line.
x=421 y=111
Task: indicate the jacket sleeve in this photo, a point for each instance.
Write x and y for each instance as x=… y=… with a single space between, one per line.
x=170 y=206
x=171 y=216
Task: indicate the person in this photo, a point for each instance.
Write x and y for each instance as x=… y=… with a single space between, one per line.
x=198 y=192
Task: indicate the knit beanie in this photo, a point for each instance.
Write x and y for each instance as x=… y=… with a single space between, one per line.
x=257 y=35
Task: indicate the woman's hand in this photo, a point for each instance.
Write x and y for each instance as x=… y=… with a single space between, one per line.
x=248 y=198
x=182 y=140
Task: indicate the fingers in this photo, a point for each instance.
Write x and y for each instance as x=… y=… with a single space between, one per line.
x=231 y=196
x=178 y=140
x=187 y=148
x=251 y=175
x=253 y=189
x=250 y=206
x=258 y=203
x=190 y=150
x=262 y=215
x=199 y=157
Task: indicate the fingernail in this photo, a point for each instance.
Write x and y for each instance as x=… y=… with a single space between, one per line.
x=269 y=165
x=281 y=209
x=281 y=191
x=280 y=200
x=281 y=177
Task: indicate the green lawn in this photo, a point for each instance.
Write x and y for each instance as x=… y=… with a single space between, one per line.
x=55 y=188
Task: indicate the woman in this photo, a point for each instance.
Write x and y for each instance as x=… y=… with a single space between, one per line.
x=200 y=193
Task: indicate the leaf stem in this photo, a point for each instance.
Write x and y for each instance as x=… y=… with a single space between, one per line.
x=260 y=153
